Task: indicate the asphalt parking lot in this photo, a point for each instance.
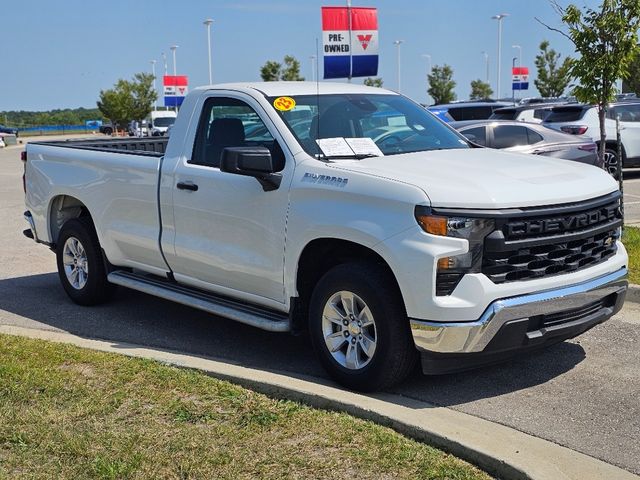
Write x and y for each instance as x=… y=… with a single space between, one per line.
x=582 y=394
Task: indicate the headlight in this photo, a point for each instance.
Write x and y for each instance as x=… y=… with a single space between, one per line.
x=450 y=270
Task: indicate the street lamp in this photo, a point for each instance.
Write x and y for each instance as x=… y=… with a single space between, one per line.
x=173 y=49
x=427 y=57
x=153 y=72
x=397 y=43
x=486 y=63
x=164 y=60
x=208 y=23
x=499 y=17
x=313 y=67
x=519 y=54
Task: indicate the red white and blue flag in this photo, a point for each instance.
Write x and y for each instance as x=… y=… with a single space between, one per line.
x=350 y=52
x=520 y=78
x=176 y=88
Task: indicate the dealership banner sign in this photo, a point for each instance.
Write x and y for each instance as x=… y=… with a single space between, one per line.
x=520 y=78
x=350 y=42
x=176 y=88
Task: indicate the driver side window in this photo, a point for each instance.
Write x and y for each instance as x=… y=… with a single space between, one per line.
x=228 y=122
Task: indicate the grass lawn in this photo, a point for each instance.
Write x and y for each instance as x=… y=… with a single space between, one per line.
x=69 y=413
x=631 y=240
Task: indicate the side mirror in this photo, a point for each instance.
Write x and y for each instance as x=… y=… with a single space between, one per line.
x=252 y=162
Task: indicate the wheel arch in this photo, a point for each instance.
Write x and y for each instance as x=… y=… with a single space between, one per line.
x=318 y=257
x=61 y=209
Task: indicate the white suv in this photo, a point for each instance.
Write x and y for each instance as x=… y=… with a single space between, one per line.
x=583 y=120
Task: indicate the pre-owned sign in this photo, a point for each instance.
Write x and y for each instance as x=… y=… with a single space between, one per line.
x=520 y=78
x=350 y=41
x=176 y=88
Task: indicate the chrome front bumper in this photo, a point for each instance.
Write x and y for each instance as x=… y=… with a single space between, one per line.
x=475 y=337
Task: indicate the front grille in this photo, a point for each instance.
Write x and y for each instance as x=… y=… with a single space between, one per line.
x=553 y=259
x=534 y=245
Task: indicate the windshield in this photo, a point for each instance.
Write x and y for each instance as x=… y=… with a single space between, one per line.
x=394 y=123
x=164 y=121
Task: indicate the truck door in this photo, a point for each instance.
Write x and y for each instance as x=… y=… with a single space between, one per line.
x=228 y=233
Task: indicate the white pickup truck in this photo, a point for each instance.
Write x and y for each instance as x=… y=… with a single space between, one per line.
x=428 y=248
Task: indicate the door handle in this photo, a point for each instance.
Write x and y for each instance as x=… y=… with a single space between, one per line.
x=187 y=186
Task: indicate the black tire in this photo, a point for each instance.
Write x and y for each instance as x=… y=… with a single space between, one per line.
x=95 y=289
x=612 y=162
x=395 y=355
x=108 y=131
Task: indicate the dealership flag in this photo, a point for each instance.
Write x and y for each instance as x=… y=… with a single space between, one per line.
x=520 y=78
x=350 y=52
x=176 y=88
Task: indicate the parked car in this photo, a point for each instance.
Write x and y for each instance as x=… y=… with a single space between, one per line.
x=460 y=111
x=106 y=128
x=520 y=137
x=532 y=113
x=159 y=122
x=582 y=119
x=9 y=130
x=428 y=250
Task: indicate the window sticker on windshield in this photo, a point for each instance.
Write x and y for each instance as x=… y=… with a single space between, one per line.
x=284 y=104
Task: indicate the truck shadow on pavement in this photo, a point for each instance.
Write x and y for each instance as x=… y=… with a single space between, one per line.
x=135 y=318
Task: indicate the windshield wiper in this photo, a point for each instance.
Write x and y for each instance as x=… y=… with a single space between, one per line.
x=355 y=156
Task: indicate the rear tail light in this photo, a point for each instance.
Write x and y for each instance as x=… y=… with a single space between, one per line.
x=588 y=147
x=575 y=129
x=23 y=157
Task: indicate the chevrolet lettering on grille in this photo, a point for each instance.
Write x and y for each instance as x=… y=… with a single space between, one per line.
x=562 y=224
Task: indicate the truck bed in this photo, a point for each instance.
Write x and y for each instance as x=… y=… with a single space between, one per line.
x=151 y=146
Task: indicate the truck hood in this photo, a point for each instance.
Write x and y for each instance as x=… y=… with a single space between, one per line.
x=485 y=178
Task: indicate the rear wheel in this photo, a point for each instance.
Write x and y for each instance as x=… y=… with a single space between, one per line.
x=359 y=327
x=611 y=162
x=81 y=267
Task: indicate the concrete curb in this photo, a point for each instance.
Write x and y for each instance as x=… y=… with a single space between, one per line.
x=499 y=450
x=633 y=294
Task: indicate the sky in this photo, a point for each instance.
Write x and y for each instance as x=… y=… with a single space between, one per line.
x=60 y=54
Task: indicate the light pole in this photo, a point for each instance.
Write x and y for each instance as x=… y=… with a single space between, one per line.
x=208 y=23
x=173 y=50
x=164 y=60
x=397 y=43
x=519 y=54
x=155 y=88
x=313 y=67
x=499 y=17
x=427 y=57
x=486 y=64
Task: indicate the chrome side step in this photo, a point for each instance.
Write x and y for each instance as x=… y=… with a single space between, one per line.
x=248 y=314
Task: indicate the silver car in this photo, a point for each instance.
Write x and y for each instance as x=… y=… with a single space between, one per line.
x=521 y=137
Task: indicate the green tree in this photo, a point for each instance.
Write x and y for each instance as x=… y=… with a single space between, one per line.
x=128 y=100
x=373 y=82
x=270 y=71
x=607 y=41
x=632 y=79
x=291 y=70
x=480 y=90
x=553 y=76
x=441 y=84
x=273 y=71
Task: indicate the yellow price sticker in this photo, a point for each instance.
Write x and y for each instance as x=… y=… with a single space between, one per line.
x=284 y=104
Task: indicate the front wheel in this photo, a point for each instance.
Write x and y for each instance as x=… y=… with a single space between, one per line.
x=81 y=267
x=359 y=327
